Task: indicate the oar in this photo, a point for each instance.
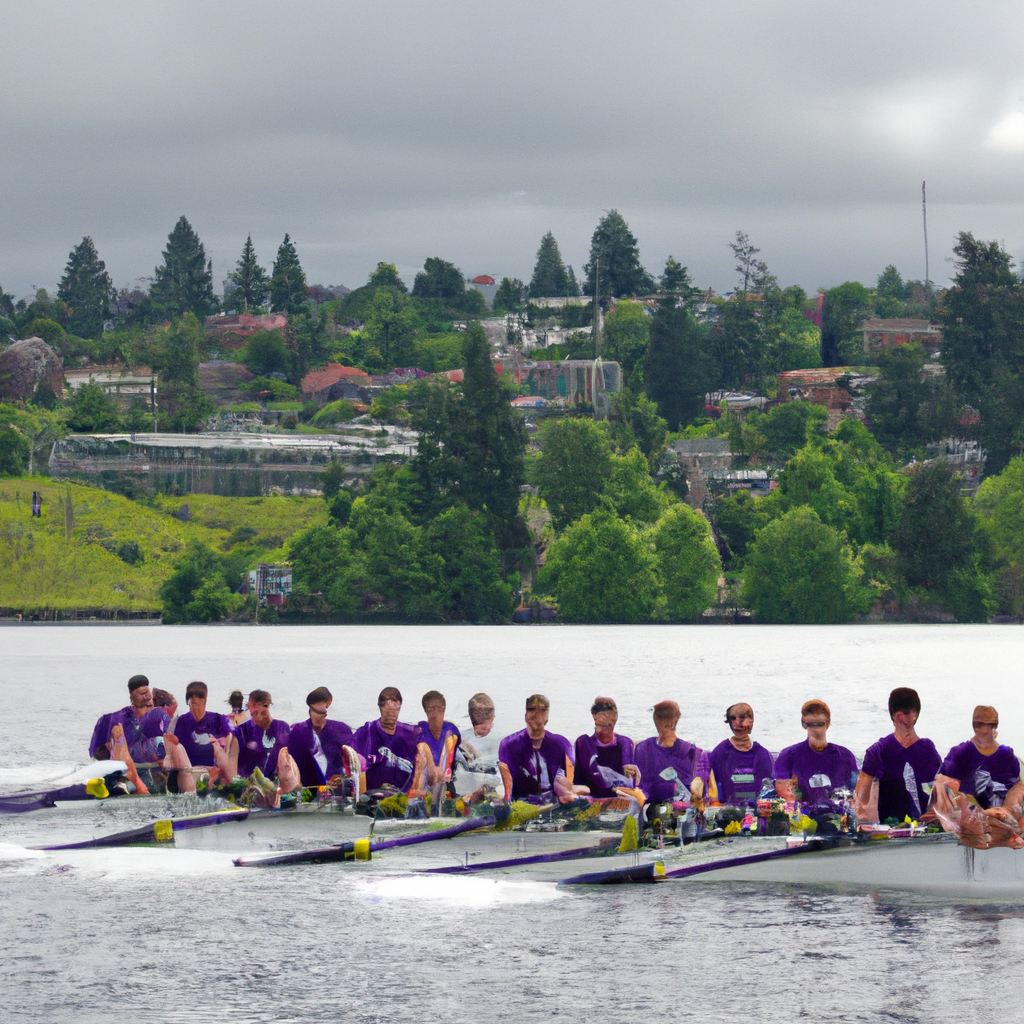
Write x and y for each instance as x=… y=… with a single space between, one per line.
x=72 y=787
x=811 y=846
x=362 y=849
x=156 y=831
x=652 y=872
x=605 y=849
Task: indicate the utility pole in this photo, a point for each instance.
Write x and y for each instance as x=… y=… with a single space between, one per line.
x=924 y=215
x=597 y=307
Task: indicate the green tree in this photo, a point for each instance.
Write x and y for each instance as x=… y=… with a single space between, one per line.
x=688 y=563
x=14 y=451
x=509 y=296
x=614 y=254
x=630 y=490
x=397 y=569
x=251 y=284
x=753 y=273
x=549 y=274
x=471 y=445
x=323 y=567
x=184 y=281
x=799 y=570
x=634 y=420
x=196 y=591
x=386 y=276
x=600 y=570
x=999 y=504
x=85 y=289
x=178 y=353
x=625 y=338
x=390 y=330
x=895 y=401
x=675 y=280
x=738 y=345
x=468 y=580
x=288 y=281
x=331 y=479
x=844 y=310
x=937 y=544
x=791 y=341
x=93 y=411
x=574 y=467
x=889 y=291
x=737 y=519
x=677 y=370
x=266 y=353
x=983 y=344
x=439 y=280
x=788 y=426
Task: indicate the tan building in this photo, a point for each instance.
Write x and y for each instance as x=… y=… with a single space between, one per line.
x=881 y=334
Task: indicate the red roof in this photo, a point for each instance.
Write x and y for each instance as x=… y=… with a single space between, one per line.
x=456 y=376
x=483 y=279
x=320 y=380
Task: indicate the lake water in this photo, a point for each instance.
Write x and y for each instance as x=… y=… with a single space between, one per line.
x=176 y=935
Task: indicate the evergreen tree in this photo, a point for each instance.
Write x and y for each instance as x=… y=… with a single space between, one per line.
x=439 y=279
x=472 y=444
x=676 y=367
x=615 y=257
x=178 y=354
x=845 y=308
x=249 y=278
x=85 y=289
x=184 y=282
x=509 y=296
x=549 y=274
x=288 y=281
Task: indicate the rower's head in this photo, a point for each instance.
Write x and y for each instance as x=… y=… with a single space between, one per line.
x=318 y=701
x=740 y=718
x=538 y=708
x=815 y=717
x=139 y=693
x=195 y=697
x=605 y=713
x=235 y=702
x=389 y=703
x=166 y=701
x=434 y=706
x=666 y=717
x=905 y=702
x=985 y=721
x=259 y=708
x=481 y=713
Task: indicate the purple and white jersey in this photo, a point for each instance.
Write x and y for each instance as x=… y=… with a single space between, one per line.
x=195 y=736
x=600 y=766
x=986 y=777
x=258 y=748
x=901 y=771
x=666 y=772
x=143 y=735
x=739 y=773
x=818 y=773
x=436 y=747
x=318 y=754
x=533 y=771
x=390 y=759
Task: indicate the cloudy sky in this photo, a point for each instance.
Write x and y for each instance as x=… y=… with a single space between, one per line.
x=398 y=131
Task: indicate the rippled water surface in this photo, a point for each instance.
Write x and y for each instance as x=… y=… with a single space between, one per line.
x=175 y=935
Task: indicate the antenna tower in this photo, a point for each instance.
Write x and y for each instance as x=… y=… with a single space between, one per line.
x=924 y=215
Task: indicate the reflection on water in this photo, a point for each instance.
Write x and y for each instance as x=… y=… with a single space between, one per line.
x=181 y=935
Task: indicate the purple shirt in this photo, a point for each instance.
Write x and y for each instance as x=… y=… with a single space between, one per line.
x=258 y=748
x=818 y=773
x=390 y=759
x=141 y=734
x=437 y=746
x=600 y=767
x=318 y=755
x=739 y=773
x=533 y=771
x=986 y=777
x=900 y=772
x=666 y=772
x=195 y=736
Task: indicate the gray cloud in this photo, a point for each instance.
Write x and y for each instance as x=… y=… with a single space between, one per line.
x=402 y=130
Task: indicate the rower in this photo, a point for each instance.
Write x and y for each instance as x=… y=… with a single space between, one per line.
x=435 y=734
x=166 y=700
x=537 y=765
x=902 y=763
x=477 y=755
x=237 y=714
x=320 y=748
x=207 y=737
x=669 y=765
x=740 y=764
x=395 y=752
x=981 y=767
x=261 y=737
x=813 y=770
x=142 y=726
x=605 y=759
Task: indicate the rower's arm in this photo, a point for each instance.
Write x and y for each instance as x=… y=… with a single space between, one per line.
x=419 y=776
x=1014 y=800
x=862 y=797
x=784 y=789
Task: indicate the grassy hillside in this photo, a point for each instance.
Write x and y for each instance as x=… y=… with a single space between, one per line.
x=40 y=569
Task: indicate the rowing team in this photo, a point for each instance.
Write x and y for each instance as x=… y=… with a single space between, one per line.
x=896 y=780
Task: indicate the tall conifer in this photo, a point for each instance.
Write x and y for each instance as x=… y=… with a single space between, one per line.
x=184 y=282
x=250 y=279
x=288 y=281
x=549 y=276
x=85 y=289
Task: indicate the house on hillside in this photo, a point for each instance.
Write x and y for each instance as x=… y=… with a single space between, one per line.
x=702 y=459
x=839 y=388
x=882 y=334
x=317 y=384
x=234 y=331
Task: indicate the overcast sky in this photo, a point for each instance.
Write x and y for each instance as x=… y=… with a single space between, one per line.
x=398 y=131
